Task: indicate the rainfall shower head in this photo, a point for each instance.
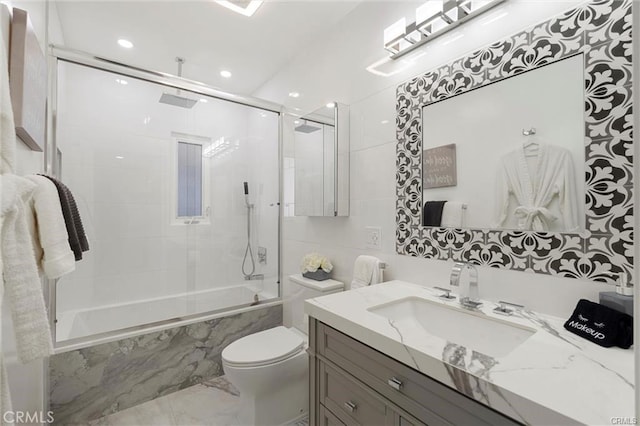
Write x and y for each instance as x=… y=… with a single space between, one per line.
x=306 y=128
x=176 y=99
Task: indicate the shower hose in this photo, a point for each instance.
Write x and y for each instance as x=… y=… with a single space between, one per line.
x=248 y=252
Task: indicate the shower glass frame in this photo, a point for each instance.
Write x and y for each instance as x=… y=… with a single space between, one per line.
x=59 y=54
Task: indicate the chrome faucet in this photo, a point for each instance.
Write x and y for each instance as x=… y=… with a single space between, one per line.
x=468 y=299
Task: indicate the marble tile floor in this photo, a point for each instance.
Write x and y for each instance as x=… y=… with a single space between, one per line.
x=212 y=403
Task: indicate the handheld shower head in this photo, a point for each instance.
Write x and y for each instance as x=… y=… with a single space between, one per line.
x=246 y=195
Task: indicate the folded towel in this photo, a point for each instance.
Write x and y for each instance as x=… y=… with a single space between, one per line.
x=601 y=325
x=48 y=230
x=453 y=214
x=366 y=270
x=77 y=237
x=432 y=213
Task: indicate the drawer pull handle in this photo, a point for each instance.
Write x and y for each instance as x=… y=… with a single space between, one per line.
x=350 y=406
x=395 y=383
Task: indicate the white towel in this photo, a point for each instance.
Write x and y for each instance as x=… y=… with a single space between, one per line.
x=366 y=270
x=22 y=284
x=48 y=230
x=453 y=215
x=7 y=127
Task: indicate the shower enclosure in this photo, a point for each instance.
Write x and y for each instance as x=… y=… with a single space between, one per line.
x=161 y=191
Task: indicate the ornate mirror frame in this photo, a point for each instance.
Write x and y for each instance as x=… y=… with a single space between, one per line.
x=601 y=32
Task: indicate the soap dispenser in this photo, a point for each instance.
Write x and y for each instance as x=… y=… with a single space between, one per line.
x=622 y=299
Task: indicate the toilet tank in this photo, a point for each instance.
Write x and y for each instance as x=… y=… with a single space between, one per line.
x=302 y=288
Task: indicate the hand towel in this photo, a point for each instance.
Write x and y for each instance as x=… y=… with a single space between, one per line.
x=7 y=126
x=432 y=213
x=48 y=230
x=453 y=214
x=601 y=325
x=366 y=270
x=77 y=237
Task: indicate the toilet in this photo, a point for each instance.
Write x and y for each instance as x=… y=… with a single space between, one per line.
x=270 y=367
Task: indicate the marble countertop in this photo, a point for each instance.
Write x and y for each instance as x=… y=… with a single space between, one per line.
x=554 y=377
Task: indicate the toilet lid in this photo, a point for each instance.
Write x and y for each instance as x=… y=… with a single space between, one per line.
x=264 y=347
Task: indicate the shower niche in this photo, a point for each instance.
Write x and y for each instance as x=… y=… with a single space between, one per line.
x=316 y=162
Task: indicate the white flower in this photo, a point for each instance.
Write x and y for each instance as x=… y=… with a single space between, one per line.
x=312 y=261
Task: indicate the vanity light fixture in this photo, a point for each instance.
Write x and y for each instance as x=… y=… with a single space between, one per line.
x=248 y=10
x=433 y=18
x=125 y=43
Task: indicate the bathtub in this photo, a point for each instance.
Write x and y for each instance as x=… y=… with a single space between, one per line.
x=158 y=313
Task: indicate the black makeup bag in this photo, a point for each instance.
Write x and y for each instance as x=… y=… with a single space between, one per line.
x=601 y=325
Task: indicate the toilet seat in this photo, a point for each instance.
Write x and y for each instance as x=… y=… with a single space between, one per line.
x=263 y=348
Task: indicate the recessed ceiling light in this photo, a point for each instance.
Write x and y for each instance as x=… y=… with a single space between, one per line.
x=263 y=114
x=225 y=73
x=294 y=94
x=121 y=81
x=119 y=157
x=125 y=43
x=248 y=10
x=384 y=121
x=203 y=100
x=331 y=105
x=296 y=122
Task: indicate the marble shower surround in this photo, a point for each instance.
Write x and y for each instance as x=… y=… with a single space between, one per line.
x=89 y=383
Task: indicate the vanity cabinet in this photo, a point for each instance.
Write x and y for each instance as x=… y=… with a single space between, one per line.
x=353 y=384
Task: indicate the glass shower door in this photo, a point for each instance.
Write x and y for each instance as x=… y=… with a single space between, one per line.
x=160 y=189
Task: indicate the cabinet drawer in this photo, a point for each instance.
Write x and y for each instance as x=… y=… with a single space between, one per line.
x=428 y=400
x=327 y=418
x=350 y=401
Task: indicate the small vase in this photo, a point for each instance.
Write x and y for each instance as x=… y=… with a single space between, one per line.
x=318 y=275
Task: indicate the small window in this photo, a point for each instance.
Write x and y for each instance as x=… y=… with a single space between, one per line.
x=189 y=179
x=190 y=203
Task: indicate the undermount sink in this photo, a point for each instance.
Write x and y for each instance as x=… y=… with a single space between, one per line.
x=476 y=331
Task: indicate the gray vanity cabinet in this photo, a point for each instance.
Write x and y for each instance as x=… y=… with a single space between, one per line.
x=353 y=384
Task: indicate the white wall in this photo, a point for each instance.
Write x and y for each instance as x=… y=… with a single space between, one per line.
x=26 y=381
x=119 y=161
x=334 y=68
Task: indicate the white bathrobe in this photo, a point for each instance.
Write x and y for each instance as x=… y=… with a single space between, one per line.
x=22 y=285
x=534 y=189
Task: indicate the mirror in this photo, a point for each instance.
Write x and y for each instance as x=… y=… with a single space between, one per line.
x=603 y=245
x=316 y=162
x=508 y=155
